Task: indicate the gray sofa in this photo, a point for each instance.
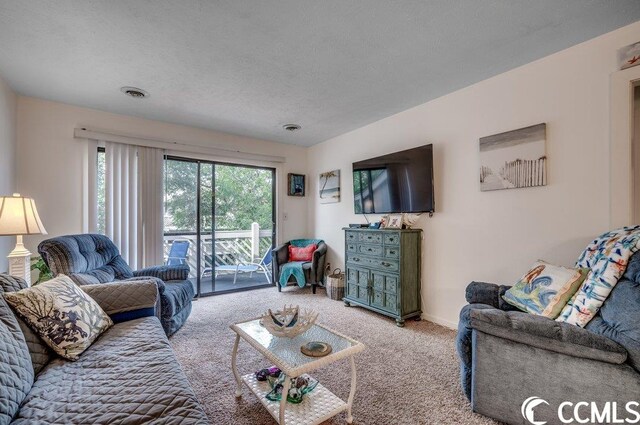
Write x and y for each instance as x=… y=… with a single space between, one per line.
x=313 y=270
x=90 y=258
x=128 y=376
x=507 y=356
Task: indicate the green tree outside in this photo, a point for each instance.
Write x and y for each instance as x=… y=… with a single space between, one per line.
x=243 y=195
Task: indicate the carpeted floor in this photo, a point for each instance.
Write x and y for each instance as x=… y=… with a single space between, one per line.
x=405 y=376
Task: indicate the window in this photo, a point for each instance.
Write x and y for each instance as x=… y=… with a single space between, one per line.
x=101 y=168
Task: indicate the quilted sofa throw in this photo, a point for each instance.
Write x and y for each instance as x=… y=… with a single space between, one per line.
x=607 y=257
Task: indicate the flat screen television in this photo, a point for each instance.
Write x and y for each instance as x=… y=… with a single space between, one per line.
x=400 y=182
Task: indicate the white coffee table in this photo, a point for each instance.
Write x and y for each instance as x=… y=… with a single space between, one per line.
x=318 y=405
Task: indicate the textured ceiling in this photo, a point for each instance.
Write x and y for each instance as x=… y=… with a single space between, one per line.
x=247 y=67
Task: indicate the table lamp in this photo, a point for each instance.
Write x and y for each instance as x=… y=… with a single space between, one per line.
x=18 y=217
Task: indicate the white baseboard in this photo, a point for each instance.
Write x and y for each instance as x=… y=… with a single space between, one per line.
x=442 y=322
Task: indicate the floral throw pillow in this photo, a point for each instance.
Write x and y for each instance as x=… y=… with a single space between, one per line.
x=66 y=318
x=607 y=257
x=545 y=289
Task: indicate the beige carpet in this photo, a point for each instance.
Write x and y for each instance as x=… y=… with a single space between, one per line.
x=405 y=376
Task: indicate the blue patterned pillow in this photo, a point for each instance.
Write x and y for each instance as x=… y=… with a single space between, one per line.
x=62 y=314
x=545 y=289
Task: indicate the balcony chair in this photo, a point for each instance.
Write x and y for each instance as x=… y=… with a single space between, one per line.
x=313 y=270
x=91 y=259
x=178 y=252
x=242 y=267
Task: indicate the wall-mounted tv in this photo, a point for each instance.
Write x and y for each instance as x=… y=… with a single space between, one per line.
x=395 y=183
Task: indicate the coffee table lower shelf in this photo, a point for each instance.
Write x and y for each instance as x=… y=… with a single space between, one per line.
x=317 y=406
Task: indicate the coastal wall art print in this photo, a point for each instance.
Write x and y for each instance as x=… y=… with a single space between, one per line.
x=629 y=56
x=514 y=159
x=329 y=187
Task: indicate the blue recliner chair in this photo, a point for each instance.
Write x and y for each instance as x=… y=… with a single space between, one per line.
x=508 y=356
x=90 y=258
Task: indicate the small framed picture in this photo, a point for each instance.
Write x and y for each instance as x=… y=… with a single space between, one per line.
x=295 y=184
x=394 y=221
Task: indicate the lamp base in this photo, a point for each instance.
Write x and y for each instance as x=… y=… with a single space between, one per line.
x=20 y=262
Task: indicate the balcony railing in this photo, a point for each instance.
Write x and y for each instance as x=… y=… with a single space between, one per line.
x=231 y=246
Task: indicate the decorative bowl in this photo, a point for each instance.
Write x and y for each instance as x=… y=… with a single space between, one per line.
x=288 y=322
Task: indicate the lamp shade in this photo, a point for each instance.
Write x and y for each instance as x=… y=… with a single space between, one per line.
x=19 y=216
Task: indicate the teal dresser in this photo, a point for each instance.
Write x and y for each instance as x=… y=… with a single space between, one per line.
x=383 y=271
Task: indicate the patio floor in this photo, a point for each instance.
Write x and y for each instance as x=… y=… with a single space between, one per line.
x=224 y=282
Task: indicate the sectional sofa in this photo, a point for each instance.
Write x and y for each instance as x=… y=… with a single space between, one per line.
x=130 y=375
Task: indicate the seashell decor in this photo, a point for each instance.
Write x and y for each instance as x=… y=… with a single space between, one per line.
x=288 y=322
x=410 y=219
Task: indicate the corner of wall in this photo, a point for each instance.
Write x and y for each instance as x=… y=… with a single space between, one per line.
x=8 y=142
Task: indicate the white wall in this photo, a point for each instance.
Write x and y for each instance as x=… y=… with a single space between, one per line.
x=636 y=154
x=7 y=159
x=50 y=161
x=494 y=236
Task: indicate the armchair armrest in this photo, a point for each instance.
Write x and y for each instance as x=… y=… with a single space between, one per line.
x=280 y=256
x=125 y=300
x=488 y=293
x=281 y=253
x=547 y=334
x=165 y=273
x=318 y=262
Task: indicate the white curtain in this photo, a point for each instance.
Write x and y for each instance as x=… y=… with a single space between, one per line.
x=134 y=207
x=151 y=205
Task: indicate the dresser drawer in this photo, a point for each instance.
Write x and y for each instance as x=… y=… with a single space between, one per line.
x=391 y=252
x=351 y=236
x=352 y=247
x=370 y=250
x=392 y=238
x=370 y=237
x=382 y=264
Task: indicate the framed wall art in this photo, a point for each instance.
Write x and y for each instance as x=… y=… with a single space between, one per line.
x=295 y=184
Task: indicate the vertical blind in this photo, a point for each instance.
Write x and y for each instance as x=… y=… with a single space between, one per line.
x=134 y=207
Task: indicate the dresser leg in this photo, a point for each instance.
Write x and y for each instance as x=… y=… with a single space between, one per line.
x=347 y=304
x=400 y=323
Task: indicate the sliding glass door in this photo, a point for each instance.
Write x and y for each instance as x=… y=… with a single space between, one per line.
x=226 y=215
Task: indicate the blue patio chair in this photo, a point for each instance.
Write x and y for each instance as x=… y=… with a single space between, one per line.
x=178 y=252
x=242 y=267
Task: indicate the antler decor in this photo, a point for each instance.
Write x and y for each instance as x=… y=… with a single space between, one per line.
x=288 y=322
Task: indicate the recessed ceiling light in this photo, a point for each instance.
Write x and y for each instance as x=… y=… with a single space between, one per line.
x=291 y=127
x=134 y=92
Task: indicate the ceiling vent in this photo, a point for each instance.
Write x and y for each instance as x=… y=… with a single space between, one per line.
x=291 y=127
x=134 y=92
